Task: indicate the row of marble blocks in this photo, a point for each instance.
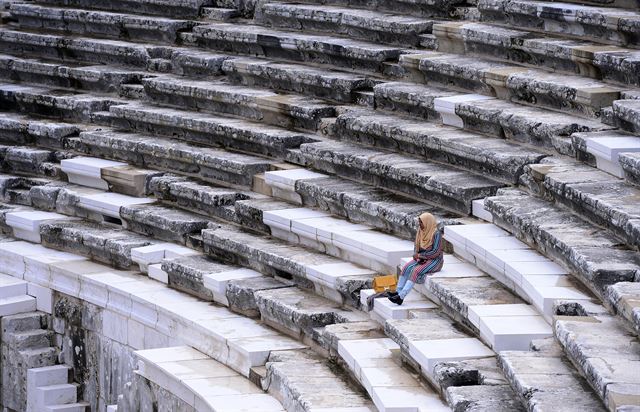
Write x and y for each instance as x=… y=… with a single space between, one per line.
x=14 y=296
x=608 y=148
x=149 y=258
x=201 y=382
x=26 y=224
x=375 y=364
x=532 y=276
x=49 y=390
x=143 y=313
x=353 y=242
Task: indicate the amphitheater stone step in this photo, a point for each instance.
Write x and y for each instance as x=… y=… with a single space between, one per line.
x=98 y=51
x=256 y=104
x=260 y=41
x=624 y=297
x=571 y=56
x=596 y=195
x=603 y=350
x=167 y=8
x=29 y=160
x=21 y=130
x=626 y=115
x=168 y=154
x=206 y=129
x=606 y=147
x=109 y=79
x=545 y=378
x=430 y=8
x=98 y=23
x=493 y=157
x=593 y=255
x=630 y=163
x=299 y=78
x=621 y=27
x=439 y=184
x=537 y=87
x=368 y=25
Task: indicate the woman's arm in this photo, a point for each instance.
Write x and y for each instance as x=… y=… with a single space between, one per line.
x=435 y=250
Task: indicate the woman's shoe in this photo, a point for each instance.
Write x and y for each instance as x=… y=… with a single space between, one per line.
x=396 y=299
x=390 y=294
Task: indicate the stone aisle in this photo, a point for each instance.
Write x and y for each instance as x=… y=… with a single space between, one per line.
x=197 y=194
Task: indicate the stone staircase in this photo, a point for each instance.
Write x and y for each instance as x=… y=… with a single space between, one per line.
x=218 y=182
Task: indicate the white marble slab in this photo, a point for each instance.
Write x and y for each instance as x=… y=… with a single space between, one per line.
x=513 y=332
x=516 y=270
x=109 y=203
x=329 y=272
x=217 y=282
x=386 y=309
x=290 y=177
x=44 y=297
x=478 y=210
x=409 y=399
x=611 y=147
x=31 y=220
x=17 y=304
x=544 y=297
x=88 y=166
x=499 y=258
x=428 y=353
x=475 y=312
x=479 y=246
x=285 y=217
x=155 y=272
x=446 y=106
x=323 y=228
x=460 y=233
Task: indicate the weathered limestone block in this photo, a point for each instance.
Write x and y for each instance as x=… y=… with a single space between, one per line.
x=498 y=398
x=99 y=242
x=168 y=8
x=16 y=129
x=241 y=293
x=197 y=63
x=630 y=163
x=624 y=297
x=415 y=99
x=433 y=326
x=162 y=222
x=627 y=114
x=186 y=273
x=332 y=334
x=250 y=212
x=248 y=39
x=437 y=183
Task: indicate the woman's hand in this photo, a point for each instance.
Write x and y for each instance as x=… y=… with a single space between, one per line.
x=415 y=256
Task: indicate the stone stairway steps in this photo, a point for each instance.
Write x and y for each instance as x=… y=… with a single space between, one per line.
x=53 y=103
x=440 y=184
x=167 y=8
x=209 y=164
x=572 y=94
x=495 y=117
x=109 y=79
x=623 y=297
x=630 y=163
x=580 y=57
x=544 y=378
x=591 y=254
x=17 y=304
x=30 y=160
x=366 y=25
x=426 y=8
x=289 y=111
x=626 y=115
x=593 y=194
x=48 y=390
x=78 y=49
x=19 y=130
x=203 y=128
x=492 y=157
x=605 y=25
x=203 y=383
x=99 y=23
x=260 y=41
x=605 y=148
x=354 y=201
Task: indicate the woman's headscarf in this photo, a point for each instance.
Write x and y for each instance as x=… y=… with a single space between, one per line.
x=424 y=237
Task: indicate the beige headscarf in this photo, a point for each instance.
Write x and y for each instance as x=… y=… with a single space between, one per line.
x=424 y=237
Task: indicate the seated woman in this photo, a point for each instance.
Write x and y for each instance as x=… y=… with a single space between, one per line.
x=428 y=258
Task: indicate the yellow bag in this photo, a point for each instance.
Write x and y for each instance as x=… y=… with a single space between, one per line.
x=385 y=283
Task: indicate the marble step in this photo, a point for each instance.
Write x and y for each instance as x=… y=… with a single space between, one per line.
x=593 y=255
x=623 y=297
x=520 y=269
x=492 y=157
x=101 y=78
x=98 y=23
x=193 y=195
x=426 y=8
x=330 y=277
x=443 y=185
x=354 y=201
x=367 y=25
x=203 y=383
x=52 y=103
x=78 y=49
x=390 y=387
x=44 y=376
x=611 y=63
x=167 y=8
x=495 y=117
x=206 y=129
x=10 y=286
x=71 y=407
x=28 y=224
x=544 y=378
x=30 y=160
x=17 y=304
x=630 y=163
x=206 y=163
x=603 y=350
x=17 y=129
x=305 y=380
x=626 y=115
x=566 y=93
x=298 y=78
x=595 y=195
x=51 y=395
x=290 y=111
x=162 y=317
x=260 y=41
x=599 y=24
